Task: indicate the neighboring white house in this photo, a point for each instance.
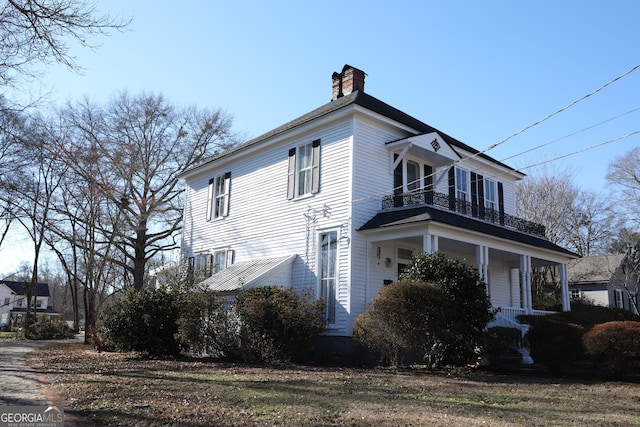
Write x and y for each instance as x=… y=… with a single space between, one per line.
x=13 y=302
x=606 y=280
x=339 y=199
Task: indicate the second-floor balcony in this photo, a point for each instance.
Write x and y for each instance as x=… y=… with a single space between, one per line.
x=463 y=207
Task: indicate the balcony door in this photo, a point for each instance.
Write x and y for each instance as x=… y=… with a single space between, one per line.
x=412 y=183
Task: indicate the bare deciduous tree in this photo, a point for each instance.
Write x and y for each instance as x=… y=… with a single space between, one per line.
x=38 y=31
x=624 y=174
x=31 y=194
x=141 y=145
x=581 y=221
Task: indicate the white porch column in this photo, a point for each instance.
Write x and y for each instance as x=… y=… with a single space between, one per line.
x=482 y=257
x=525 y=271
x=564 y=283
x=429 y=243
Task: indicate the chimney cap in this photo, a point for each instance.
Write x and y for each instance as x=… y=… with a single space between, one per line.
x=347 y=67
x=349 y=80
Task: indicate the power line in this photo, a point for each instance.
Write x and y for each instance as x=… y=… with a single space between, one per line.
x=582 y=98
x=583 y=150
x=572 y=134
x=387 y=192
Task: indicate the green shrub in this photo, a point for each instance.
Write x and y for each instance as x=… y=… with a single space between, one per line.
x=144 y=321
x=554 y=342
x=403 y=317
x=587 y=314
x=44 y=329
x=208 y=325
x=440 y=309
x=278 y=324
x=615 y=345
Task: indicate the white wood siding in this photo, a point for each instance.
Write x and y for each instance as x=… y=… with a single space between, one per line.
x=372 y=179
x=263 y=223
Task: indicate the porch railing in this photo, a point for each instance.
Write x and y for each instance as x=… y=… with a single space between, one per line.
x=512 y=313
x=442 y=201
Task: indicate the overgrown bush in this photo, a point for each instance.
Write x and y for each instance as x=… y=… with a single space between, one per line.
x=554 y=342
x=44 y=329
x=403 y=317
x=587 y=314
x=440 y=309
x=614 y=345
x=208 y=325
x=144 y=321
x=278 y=324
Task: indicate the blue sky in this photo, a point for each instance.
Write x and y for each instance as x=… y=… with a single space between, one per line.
x=479 y=71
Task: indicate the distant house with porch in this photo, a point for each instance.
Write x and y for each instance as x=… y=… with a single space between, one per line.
x=13 y=303
x=339 y=199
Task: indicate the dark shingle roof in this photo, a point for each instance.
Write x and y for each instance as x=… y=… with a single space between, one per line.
x=361 y=99
x=20 y=288
x=428 y=213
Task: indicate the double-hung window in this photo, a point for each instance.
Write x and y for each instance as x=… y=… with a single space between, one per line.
x=304 y=170
x=211 y=263
x=221 y=260
x=201 y=264
x=462 y=184
x=618 y=298
x=329 y=272
x=218 y=198
x=490 y=194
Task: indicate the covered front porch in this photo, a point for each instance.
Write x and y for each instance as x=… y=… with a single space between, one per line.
x=505 y=271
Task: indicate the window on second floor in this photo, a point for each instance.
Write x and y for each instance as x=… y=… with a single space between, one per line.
x=462 y=184
x=7 y=301
x=304 y=170
x=218 y=198
x=413 y=177
x=490 y=194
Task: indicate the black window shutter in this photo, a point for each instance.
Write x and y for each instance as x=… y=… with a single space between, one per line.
x=480 y=196
x=452 y=188
x=474 y=194
x=428 y=184
x=315 y=168
x=210 y=199
x=291 y=174
x=501 y=202
x=227 y=193
x=397 y=183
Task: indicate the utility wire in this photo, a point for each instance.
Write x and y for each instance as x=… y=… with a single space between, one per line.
x=385 y=193
x=537 y=123
x=582 y=98
x=571 y=134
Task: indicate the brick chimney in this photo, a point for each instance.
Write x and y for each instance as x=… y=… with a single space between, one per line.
x=347 y=81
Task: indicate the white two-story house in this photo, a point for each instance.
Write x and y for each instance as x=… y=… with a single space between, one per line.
x=13 y=303
x=339 y=199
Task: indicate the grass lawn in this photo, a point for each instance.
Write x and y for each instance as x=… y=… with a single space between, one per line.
x=8 y=336
x=105 y=389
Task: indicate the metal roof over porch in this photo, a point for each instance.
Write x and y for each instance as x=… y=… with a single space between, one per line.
x=243 y=275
